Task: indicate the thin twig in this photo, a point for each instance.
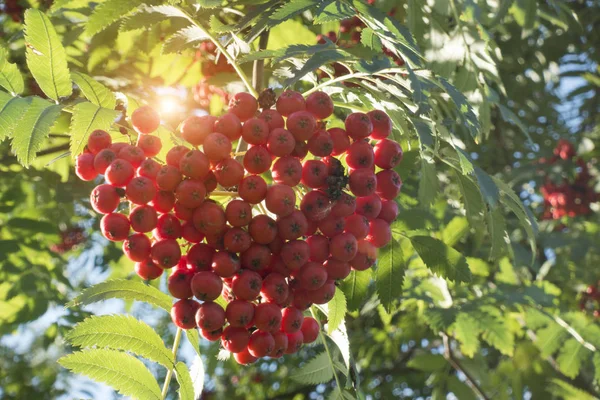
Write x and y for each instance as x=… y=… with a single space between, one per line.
x=454 y=363
x=176 y=342
x=324 y=340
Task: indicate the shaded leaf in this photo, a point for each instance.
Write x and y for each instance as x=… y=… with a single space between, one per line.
x=186 y=387
x=391 y=267
x=318 y=370
x=442 y=259
x=94 y=91
x=11 y=110
x=355 y=288
x=88 y=117
x=10 y=76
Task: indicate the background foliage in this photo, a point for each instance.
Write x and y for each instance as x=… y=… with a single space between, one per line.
x=474 y=298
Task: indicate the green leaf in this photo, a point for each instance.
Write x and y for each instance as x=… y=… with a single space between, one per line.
x=460 y=389
x=341 y=340
x=355 y=288
x=11 y=110
x=550 y=339
x=121 y=332
x=10 y=76
x=370 y=39
x=466 y=113
x=566 y=391
x=291 y=9
x=429 y=184
x=511 y=117
x=427 y=362
x=123 y=289
x=186 y=387
x=107 y=13
x=333 y=11
x=209 y=3
x=197 y=371
x=488 y=188
x=94 y=91
x=466 y=331
x=194 y=339
x=88 y=117
x=316 y=61
x=46 y=57
x=34 y=225
x=571 y=356
x=146 y=16
x=318 y=370
x=442 y=259
x=455 y=230
x=496 y=332
x=474 y=206
x=336 y=310
x=184 y=38
x=391 y=267
x=596 y=361
x=498 y=233
x=33 y=128
x=121 y=371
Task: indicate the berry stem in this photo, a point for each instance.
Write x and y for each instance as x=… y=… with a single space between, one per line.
x=176 y=342
x=324 y=340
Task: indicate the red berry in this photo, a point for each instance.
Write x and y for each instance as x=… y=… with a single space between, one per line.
x=281 y=142
x=275 y=289
x=302 y=125
x=145 y=120
x=168 y=178
x=337 y=269
x=200 y=257
x=388 y=154
x=382 y=124
x=300 y=150
x=243 y=105
x=190 y=233
x=183 y=313
x=358 y=125
x=310 y=330
x=238 y=213
x=280 y=200
x=267 y=317
x=312 y=276
x=389 y=184
x=357 y=225
x=225 y=264
x=319 y=104
x=287 y=170
x=150 y=145
x=217 y=146
x=295 y=253
x=104 y=199
x=98 y=140
x=290 y=102
x=343 y=247
x=369 y=206
x=322 y=295
x=140 y=190
x=234 y=339
x=253 y=189
x=273 y=119
x=211 y=336
x=237 y=240
x=291 y=320
x=115 y=227
x=246 y=285
x=362 y=182
x=175 y=155
x=209 y=218
x=229 y=172
x=240 y=313
x=315 y=205
x=190 y=193
x=195 y=129
x=262 y=229
x=164 y=201
x=295 y=341
x=256 y=258
x=149 y=168
x=210 y=182
x=380 y=233
x=244 y=357
x=320 y=143
x=137 y=247
x=194 y=164
x=143 y=219
x=360 y=155
x=389 y=211
x=147 y=270
x=133 y=154
x=292 y=226
x=314 y=173
x=182 y=212
x=229 y=125
x=255 y=131
x=257 y=160
x=261 y=344
x=344 y=206
x=340 y=141
x=281 y=344
x=119 y=173
x=168 y=227
x=365 y=256
x=179 y=283
x=166 y=253
x=319 y=247
x=103 y=159
x=210 y=316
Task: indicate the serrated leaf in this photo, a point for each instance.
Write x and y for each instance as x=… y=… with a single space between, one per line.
x=121 y=332
x=429 y=184
x=355 y=288
x=341 y=340
x=46 y=57
x=488 y=188
x=33 y=128
x=11 y=110
x=455 y=230
x=497 y=226
x=197 y=373
x=370 y=39
x=219 y=27
x=336 y=310
x=566 y=391
x=146 y=16
x=209 y=3
x=94 y=91
x=194 y=339
x=333 y=11
x=466 y=112
x=186 y=388
x=318 y=370
x=123 y=289
x=121 y=371
x=474 y=206
x=10 y=76
x=442 y=259
x=184 y=38
x=466 y=331
x=427 y=362
x=496 y=332
x=291 y=9
x=550 y=339
x=88 y=117
x=109 y=12
x=571 y=356
x=314 y=62
x=391 y=267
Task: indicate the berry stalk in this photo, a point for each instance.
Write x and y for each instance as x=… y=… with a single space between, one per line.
x=176 y=342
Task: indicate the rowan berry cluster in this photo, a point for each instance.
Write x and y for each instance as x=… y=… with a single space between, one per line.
x=569 y=192
x=211 y=64
x=590 y=300
x=13 y=9
x=274 y=248
x=69 y=238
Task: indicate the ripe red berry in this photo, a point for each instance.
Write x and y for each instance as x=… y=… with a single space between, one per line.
x=331 y=225
x=210 y=181
x=337 y=269
x=295 y=341
x=357 y=225
x=295 y=253
x=380 y=233
x=389 y=184
x=145 y=120
x=257 y=160
x=314 y=173
x=310 y=330
x=238 y=213
x=164 y=201
x=319 y=247
x=300 y=150
x=234 y=339
x=280 y=200
x=217 y=146
x=115 y=227
x=256 y=258
x=167 y=227
x=140 y=190
x=195 y=129
x=255 y=131
x=98 y=140
x=262 y=229
x=246 y=285
x=229 y=172
x=166 y=253
x=389 y=211
x=362 y=182
x=243 y=105
x=240 y=313
x=343 y=247
x=149 y=168
x=369 y=206
x=137 y=247
x=261 y=344
x=340 y=141
x=273 y=119
x=244 y=357
x=211 y=336
x=179 y=283
x=311 y=276
x=229 y=125
x=323 y=294
x=190 y=193
x=267 y=317
x=320 y=143
x=150 y=145
x=194 y=164
x=103 y=159
x=281 y=142
x=319 y=104
x=225 y=264
x=104 y=199
x=119 y=173
x=290 y=102
x=360 y=155
x=287 y=170
x=209 y=218
x=275 y=289
x=175 y=155
x=281 y=344
x=344 y=206
x=210 y=316
x=190 y=233
x=302 y=125
x=253 y=189
x=382 y=124
x=291 y=320
x=183 y=313
x=236 y=240
x=366 y=256
x=388 y=154
x=168 y=178
x=292 y=226
x=147 y=270
x=133 y=154
x=143 y=219
x=358 y=125
x=301 y=299
x=200 y=257
x=315 y=205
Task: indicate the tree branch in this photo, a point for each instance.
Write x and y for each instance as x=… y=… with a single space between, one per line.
x=454 y=363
